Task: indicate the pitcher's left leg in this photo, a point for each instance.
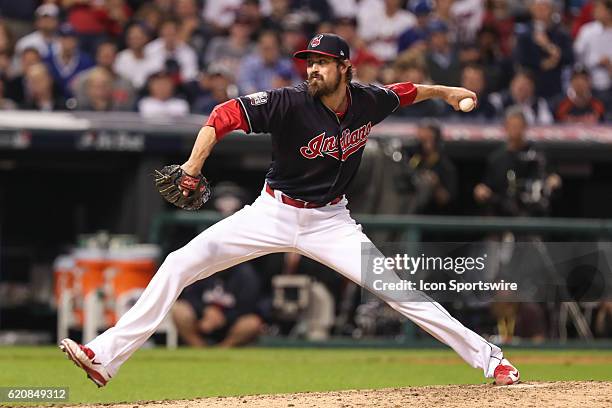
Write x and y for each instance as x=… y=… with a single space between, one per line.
x=336 y=242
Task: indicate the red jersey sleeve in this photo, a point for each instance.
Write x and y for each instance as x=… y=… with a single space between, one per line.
x=406 y=91
x=226 y=117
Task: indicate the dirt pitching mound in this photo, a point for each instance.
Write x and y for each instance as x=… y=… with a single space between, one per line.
x=581 y=394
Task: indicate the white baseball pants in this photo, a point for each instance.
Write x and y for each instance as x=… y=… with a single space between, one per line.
x=328 y=235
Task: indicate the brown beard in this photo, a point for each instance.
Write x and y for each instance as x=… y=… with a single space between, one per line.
x=317 y=90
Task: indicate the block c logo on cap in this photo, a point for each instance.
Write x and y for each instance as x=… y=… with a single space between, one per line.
x=316 y=41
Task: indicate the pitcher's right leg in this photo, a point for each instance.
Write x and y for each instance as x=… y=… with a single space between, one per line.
x=251 y=232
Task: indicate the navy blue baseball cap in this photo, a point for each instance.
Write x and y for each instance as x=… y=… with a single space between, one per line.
x=331 y=45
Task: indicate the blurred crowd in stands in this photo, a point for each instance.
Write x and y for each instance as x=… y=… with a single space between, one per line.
x=174 y=57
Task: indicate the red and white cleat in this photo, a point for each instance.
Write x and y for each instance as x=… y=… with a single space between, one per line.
x=506 y=374
x=85 y=358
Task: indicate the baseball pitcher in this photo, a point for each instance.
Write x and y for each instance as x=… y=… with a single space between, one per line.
x=319 y=129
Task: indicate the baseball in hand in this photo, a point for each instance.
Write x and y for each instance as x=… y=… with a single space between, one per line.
x=466 y=104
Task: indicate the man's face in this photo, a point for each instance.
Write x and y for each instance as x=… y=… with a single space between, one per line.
x=185 y=8
x=136 y=38
x=47 y=24
x=601 y=13
x=346 y=31
x=105 y=55
x=427 y=139
x=542 y=10
x=268 y=49
x=581 y=86
x=324 y=75
x=69 y=44
x=170 y=34
x=521 y=88
x=161 y=88
x=515 y=129
x=29 y=58
x=473 y=79
x=439 y=41
x=100 y=87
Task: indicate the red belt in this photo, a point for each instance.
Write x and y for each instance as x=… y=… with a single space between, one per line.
x=300 y=203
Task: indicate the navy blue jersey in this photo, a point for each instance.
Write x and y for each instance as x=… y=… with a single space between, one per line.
x=315 y=155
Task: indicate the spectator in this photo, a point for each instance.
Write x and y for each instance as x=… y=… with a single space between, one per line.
x=165 y=6
x=221 y=310
x=7 y=46
x=431 y=176
x=192 y=29
x=120 y=91
x=415 y=72
x=132 y=63
x=283 y=77
x=250 y=10
x=473 y=78
x=161 y=101
x=97 y=93
x=347 y=29
x=585 y=16
x=313 y=11
x=15 y=88
x=442 y=12
x=259 y=68
x=544 y=48
x=486 y=52
x=344 y=9
x=5 y=103
x=214 y=87
x=150 y=16
x=220 y=14
x=516 y=181
x=279 y=13
x=95 y=21
x=579 y=105
x=367 y=68
x=593 y=46
x=40 y=94
x=45 y=37
x=170 y=54
x=442 y=61
x=522 y=93
x=229 y=51
x=418 y=34
x=66 y=61
x=500 y=17
x=467 y=16
x=292 y=41
x=382 y=25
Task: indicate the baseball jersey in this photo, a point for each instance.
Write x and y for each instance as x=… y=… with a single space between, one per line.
x=315 y=152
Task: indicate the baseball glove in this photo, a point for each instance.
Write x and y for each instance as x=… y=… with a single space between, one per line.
x=170 y=178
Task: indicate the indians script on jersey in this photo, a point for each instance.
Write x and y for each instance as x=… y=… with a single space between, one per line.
x=350 y=142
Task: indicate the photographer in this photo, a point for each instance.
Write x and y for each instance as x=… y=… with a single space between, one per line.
x=431 y=177
x=516 y=182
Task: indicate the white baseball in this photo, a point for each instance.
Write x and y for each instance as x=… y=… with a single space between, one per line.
x=466 y=104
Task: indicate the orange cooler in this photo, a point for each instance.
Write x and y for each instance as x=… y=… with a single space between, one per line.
x=129 y=271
